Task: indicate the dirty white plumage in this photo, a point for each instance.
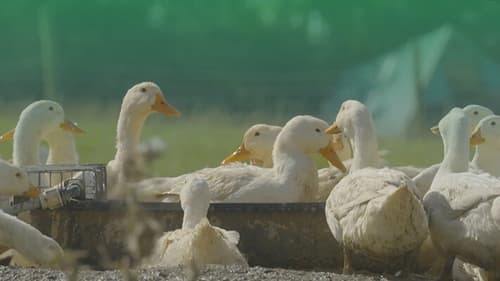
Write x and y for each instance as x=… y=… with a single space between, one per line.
x=474 y=113
x=372 y=211
x=197 y=243
x=463 y=207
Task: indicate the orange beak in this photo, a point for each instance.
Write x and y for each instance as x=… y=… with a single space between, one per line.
x=476 y=138
x=7 y=136
x=329 y=153
x=333 y=129
x=241 y=154
x=33 y=192
x=163 y=107
x=71 y=127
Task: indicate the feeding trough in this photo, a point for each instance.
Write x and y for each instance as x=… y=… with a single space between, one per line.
x=292 y=235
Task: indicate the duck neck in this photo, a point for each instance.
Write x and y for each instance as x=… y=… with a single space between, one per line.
x=268 y=162
x=365 y=152
x=456 y=151
x=26 y=146
x=267 y=158
x=192 y=216
x=62 y=149
x=487 y=158
x=296 y=171
x=289 y=160
x=129 y=133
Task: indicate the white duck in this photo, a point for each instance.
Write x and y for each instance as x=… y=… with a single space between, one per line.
x=293 y=177
x=16 y=234
x=62 y=148
x=198 y=243
x=258 y=143
x=36 y=122
x=474 y=113
x=140 y=101
x=372 y=211
x=257 y=146
x=484 y=160
x=486 y=137
x=487 y=156
x=463 y=207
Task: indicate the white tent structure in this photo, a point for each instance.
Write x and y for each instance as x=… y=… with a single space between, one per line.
x=414 y=84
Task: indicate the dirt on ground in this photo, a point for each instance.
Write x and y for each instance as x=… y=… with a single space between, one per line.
x=215 y=273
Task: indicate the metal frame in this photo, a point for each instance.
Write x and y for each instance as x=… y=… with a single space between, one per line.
x=94 y=177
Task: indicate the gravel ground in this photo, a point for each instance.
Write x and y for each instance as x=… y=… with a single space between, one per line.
x=211 y=273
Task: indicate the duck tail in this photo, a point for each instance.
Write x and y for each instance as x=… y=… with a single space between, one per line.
x=404 y=205
x=401 y=218
x=401 y=194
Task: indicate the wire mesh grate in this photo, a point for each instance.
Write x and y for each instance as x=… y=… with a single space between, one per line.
x=93 y=177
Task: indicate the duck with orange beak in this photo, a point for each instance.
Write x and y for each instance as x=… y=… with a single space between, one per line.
x=256 y=147
x=36 y=123
x=139 y=102
x=372 y=211
x=293 y=177
x=16 y=234
x=44 y=120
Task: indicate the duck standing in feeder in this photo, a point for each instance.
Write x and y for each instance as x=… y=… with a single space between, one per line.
x=197 y=243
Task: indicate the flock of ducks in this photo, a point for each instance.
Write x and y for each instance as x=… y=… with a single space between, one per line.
x=448 y=213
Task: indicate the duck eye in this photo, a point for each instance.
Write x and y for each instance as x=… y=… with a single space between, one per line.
x=318 y=130
x=476 y=113
x=143 y=89
x=51 y=108
x=493 y=123
x=257 y=134
x=18 y=175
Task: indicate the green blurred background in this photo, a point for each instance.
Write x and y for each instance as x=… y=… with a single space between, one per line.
x=225 y=64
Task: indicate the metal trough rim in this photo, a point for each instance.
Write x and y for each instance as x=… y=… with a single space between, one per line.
x=175 y=207
x=62 y=168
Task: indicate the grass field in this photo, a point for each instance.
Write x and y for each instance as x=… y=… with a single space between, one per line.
x=198 y=140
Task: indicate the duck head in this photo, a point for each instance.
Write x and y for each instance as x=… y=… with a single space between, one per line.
x=43 y=117
x=487 y=131
x=15 y=181
x=455 y=118
x=350 y=112
x=147 y=97
x=476 y=113
x=453 y=126
x=66 y=126
x=307 y=134
x=257 y=144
